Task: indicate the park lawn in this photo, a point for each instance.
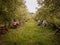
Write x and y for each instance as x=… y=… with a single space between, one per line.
x=30 y=34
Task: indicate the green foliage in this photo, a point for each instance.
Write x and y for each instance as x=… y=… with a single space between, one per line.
x=50 y=12
x=12 y=9
x=7 y=10
x=30 y=34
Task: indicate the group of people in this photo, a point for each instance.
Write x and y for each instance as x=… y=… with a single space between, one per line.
x=39 y=22
x=43 y=23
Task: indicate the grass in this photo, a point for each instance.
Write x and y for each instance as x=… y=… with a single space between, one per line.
x=30 y=34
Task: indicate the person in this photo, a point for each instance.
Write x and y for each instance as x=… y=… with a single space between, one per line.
x=15 y=23
x=44 y=23
x=39 y=22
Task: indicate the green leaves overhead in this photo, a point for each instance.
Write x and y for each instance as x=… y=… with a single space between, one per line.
x=50 y=11
x=10 y=8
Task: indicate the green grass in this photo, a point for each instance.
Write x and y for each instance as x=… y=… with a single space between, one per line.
x=30 y=34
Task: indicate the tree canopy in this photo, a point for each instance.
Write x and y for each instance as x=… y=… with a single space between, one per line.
x=12 y=9
x=50 y=12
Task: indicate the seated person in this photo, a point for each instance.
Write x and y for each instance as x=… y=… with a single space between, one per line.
x=39 y=22
x=15 y=23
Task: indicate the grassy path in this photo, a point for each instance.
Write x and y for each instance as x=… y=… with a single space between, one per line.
x=30 y=34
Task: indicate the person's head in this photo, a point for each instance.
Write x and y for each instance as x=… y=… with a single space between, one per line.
x=14 y=20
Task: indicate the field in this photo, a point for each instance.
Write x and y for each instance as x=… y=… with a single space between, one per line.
x=30 y=34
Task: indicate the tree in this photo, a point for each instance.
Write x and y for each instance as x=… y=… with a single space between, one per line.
x=11 y=9
x=50 y=12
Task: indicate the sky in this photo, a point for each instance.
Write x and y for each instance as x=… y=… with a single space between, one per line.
x=31 y=5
